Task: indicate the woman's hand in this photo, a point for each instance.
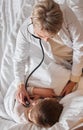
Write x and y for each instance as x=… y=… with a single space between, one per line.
x=21 y=94
x=68 y=88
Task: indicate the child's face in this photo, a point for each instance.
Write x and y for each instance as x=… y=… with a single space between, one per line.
x=33 y=106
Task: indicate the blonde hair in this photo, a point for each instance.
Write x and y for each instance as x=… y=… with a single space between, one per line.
x=48 y=15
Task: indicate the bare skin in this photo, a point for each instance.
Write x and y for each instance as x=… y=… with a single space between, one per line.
x=68 y=88
x=37 y=92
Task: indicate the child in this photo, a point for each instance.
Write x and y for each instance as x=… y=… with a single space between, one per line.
x=43 y=112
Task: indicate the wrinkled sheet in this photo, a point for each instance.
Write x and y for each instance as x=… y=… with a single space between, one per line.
x=12 y=15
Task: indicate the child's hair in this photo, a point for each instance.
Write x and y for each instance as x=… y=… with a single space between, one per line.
x=47 y=112
x=48 y=15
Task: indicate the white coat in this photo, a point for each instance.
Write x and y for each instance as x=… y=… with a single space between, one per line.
x=28 y=54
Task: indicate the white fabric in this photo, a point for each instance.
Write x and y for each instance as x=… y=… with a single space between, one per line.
x=72 y=112
x=24 y=55
x=73 y=109
x=13 y=108
x=71 y=36
x=12 y=11
x=77 y=7
x=12 y=15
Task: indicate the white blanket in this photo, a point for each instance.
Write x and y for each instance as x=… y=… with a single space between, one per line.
x=72 y=112
x=12 y=15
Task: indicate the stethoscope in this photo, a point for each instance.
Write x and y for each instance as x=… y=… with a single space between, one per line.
x=43 y=55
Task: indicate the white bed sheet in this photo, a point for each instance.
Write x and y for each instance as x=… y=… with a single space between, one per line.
x=12 y=15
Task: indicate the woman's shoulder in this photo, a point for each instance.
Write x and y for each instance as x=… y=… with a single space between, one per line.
x=69 y=16
x=66 y=9
x=24 y=27
x=25 y=23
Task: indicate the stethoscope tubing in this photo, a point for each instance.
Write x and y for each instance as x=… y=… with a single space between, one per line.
x=43 y=55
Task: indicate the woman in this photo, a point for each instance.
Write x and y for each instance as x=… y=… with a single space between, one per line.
x=61 y=36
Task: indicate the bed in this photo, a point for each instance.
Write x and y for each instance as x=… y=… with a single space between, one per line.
x=12 y=15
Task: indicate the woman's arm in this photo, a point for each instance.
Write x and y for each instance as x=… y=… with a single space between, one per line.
x=76 y=34
x=20 y=59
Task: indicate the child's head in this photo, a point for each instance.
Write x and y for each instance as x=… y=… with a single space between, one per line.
x=45 y=112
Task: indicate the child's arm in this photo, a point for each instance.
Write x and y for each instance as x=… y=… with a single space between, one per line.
x=43 y=92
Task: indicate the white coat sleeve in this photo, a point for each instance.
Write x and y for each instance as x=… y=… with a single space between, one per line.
x=20 y=57
x=76 y=34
